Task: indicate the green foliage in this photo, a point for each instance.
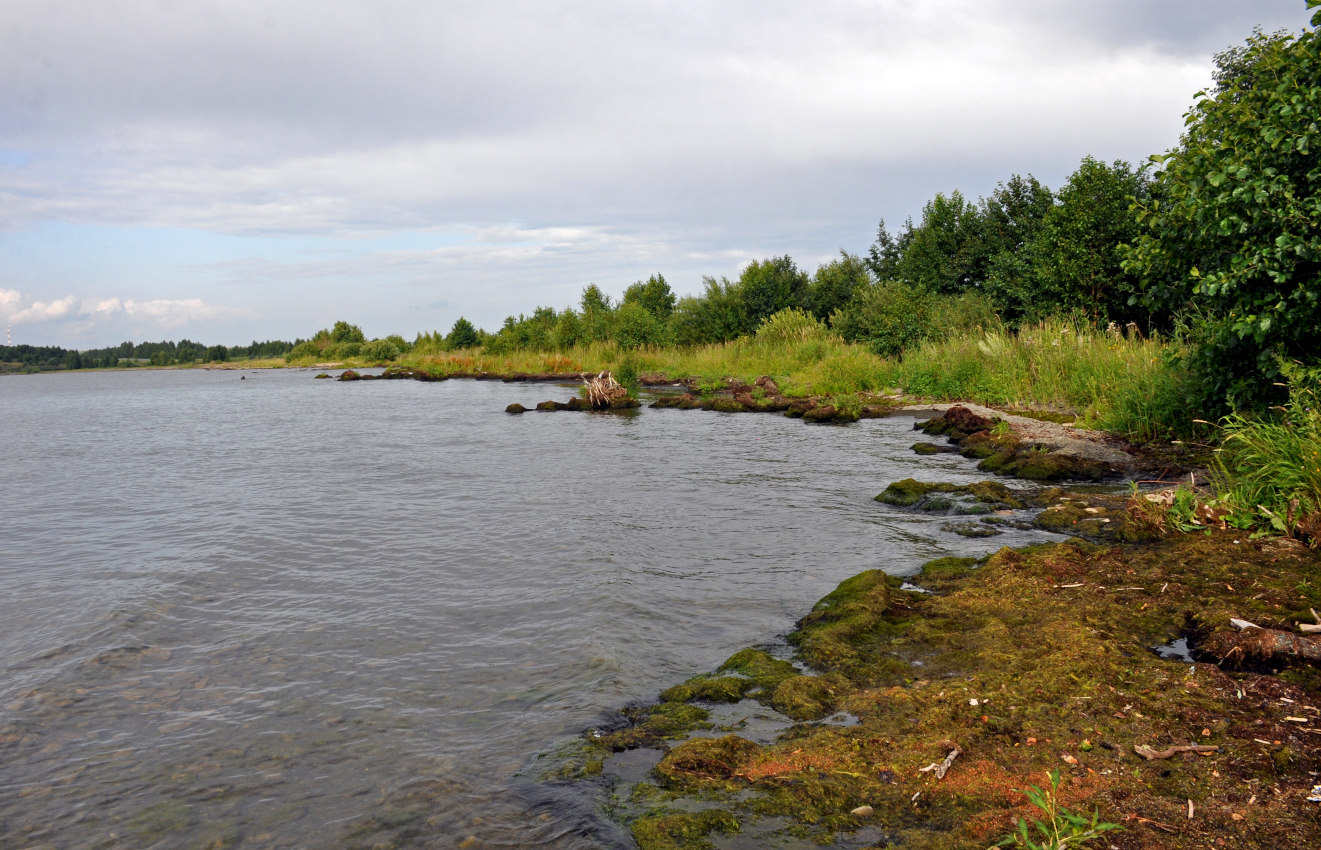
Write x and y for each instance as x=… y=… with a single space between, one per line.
x=378 y=350
x=768 y=286
x=344 y=332
x=891 y=317
x=790 y=325
x=716 y=315
x=1075 y=254
x=1271 y=465
x=217 y=354
x=1230 y=234
x=1059 y=828
x=942 y=254
x=887 y=317
x=833 y=285
x=654 y=295
x=462 y=335
x=636 y=326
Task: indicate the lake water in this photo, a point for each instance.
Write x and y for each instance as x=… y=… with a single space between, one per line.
x=253 y=609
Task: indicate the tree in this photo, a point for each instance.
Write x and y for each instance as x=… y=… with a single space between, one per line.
x=654 y=295
x=344 y=332
x=714 y=316
x=768 y=286
x=637 y=326
x=461 y=335
x=1075 y=255
x=834 y=284
x=1232 y=234
x=945 y=253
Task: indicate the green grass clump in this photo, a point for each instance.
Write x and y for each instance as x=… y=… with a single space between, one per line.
x=1270 y=467
x=1124 y=383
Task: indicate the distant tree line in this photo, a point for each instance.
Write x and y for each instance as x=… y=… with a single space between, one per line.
x=27 y=358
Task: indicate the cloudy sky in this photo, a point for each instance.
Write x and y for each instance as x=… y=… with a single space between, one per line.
x=235 y=170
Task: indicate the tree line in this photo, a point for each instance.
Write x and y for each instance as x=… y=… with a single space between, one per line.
x=1217 y=241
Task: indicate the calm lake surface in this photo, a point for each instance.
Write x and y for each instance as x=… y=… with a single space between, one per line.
x=253 y=609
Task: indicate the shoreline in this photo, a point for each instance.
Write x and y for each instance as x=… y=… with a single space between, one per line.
x=1002 y=669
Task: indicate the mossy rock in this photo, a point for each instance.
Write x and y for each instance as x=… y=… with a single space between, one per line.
x=686 y=831
x=723 y=404
x=515 y=408
x=910 y=491
x=1036 y=464
x=765 y=671
x=935 y=497
x=323 y=375
x=700 y=759
x=709 y=689
x=349 y=375
x=653 y=724
x=947 y=568
x=810 y=697
x=974 y=530
x=957 y=423
x=848 y=630
x=548 y=405
x=933 y=449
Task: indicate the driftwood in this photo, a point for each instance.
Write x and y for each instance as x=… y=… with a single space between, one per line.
x=1150 y=753
x=941 y=768
x=603 y=389
x=1257 y=644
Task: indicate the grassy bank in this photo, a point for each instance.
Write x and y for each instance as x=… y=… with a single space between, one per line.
x=1116 y=382
x=1025 y=663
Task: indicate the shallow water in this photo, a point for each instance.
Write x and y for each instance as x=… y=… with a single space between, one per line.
x=260 y=610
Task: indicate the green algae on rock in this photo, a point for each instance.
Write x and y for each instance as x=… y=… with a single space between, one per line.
x=1027 y=660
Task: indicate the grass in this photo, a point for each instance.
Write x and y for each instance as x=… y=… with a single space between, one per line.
x=1124 y=383
x=1127 y=384
x=1270 y=467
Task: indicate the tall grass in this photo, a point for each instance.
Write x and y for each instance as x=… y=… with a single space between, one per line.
x=1121 y=382
x=1271 y=467
x=1118 y=381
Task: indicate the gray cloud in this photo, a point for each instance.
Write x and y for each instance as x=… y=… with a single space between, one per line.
x=662 y=136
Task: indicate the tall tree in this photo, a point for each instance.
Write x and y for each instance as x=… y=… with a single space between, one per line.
x=1233 y=233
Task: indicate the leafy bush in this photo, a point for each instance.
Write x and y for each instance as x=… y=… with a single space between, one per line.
x=887 y=317
x=1231 y=234
x=636 y=326
x=378 y=350
x=790 y=325
x=1271 y=466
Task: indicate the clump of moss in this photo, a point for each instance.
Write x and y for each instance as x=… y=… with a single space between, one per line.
x=933 y=497
x=705 y=759
x=846 y=630
x=760 y=667
x=686 y=831
x=650 y=725
x=706 y=688
x=909 y=492
x=810 y=697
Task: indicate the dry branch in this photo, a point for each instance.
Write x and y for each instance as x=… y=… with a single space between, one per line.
x=1151 y=754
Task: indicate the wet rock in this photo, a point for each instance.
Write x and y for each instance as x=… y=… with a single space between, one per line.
x=349 y=375
x=515 y=408
x=323 y=375
x=768 y=385
x=549 y=405
x=705 y=758
x=933 y=449
x=957 y=423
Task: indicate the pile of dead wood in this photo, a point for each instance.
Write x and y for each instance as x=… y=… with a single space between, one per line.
x=603 y=390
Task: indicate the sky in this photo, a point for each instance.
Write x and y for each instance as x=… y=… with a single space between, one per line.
x=240 y=170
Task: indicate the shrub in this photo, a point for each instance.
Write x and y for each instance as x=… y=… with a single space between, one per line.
x=1231 y=233
x=378 y=350
x=790 y=325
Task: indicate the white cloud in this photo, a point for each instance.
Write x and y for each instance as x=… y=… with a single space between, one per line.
x=160 y=313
